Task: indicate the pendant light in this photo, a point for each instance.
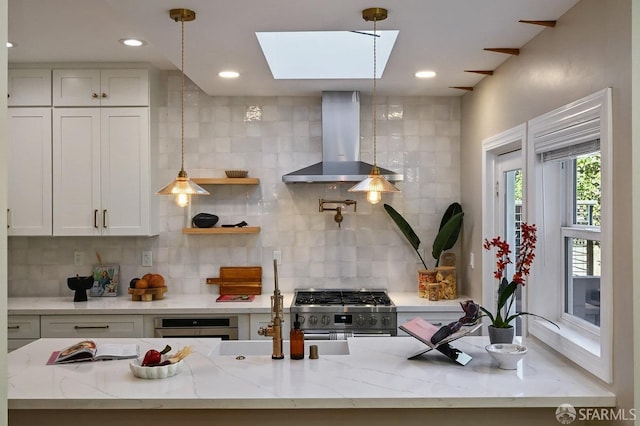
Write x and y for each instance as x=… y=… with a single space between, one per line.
x=375 y=184
x=182 y=187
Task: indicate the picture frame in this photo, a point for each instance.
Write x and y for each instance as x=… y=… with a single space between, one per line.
x=105 y=281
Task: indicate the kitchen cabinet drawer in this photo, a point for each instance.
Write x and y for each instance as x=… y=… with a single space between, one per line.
x=91 y=326
x=23 y=327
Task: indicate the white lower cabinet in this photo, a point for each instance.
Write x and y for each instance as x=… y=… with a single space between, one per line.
x=22 y=329
x=91 y=326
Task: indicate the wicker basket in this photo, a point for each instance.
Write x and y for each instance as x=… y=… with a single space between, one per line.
x=236 y=173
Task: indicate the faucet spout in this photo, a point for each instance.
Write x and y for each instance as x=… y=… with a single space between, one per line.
x=338 y=217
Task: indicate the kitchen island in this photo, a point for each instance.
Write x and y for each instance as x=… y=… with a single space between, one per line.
x=373 y=384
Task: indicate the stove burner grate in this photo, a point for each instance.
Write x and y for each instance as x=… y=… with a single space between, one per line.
x=342 y=297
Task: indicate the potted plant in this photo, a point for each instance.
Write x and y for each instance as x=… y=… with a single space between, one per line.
x=446 y=238
x=500 y=329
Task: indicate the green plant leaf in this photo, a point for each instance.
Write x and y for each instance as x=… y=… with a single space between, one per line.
x=406 y=229
x=514 y=316
x=452 y=210
x=451 y=228
x=506 y=293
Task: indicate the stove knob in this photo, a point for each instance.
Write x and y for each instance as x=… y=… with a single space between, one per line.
x=313 y=320
x=300 y=319
x=360 y=320
x=386 y=321
x=326 y=320
x=373 y=320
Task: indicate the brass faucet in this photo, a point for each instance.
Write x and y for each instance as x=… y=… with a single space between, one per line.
x=274 y=329
x=338 y=216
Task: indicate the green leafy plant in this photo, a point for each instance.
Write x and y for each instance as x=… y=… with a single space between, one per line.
x=506 y=291
x=446 y=238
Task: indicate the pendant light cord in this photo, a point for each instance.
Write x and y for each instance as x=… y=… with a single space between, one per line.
x=375 y=163
x=182 y=99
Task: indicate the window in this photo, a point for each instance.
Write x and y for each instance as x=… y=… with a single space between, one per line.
x=568 y=156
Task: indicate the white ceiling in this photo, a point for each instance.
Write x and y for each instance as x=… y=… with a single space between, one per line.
x=447 y=36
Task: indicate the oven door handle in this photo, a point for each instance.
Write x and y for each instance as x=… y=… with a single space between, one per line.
x=331 y=335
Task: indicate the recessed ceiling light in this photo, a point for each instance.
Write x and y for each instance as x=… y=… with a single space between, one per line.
x=425 y=74
x=132 y=42
x=9 y=44
x=229 y=74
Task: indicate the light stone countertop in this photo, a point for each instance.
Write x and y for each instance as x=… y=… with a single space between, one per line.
x=192 y=304
x=376 y=374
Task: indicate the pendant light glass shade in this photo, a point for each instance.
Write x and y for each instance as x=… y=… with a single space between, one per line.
x=182 y=187
x=375 y=184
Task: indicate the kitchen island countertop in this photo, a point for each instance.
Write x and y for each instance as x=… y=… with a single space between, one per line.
x=375 y=374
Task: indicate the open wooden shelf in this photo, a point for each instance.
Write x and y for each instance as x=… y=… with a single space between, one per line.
x=226 y=181
x=213 y=231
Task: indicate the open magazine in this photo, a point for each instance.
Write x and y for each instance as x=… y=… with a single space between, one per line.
x=88 y=350
x=424 y=331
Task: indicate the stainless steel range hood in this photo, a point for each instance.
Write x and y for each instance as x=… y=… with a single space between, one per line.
x=340 y=145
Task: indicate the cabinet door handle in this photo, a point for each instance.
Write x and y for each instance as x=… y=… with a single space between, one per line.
x=85 y=327
x=94 y=95
x=13 y=327
x=95 y=218
x=104 y=95
x=8 y=218
x=437 y=324
x=104 y=218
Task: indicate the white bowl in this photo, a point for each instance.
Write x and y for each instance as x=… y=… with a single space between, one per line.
x=507 y=354
x=160 y=372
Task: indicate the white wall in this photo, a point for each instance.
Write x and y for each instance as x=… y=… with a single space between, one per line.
x=271 y=136
x=588 y=50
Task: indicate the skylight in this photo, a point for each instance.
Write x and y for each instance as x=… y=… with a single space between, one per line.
x=325 y=54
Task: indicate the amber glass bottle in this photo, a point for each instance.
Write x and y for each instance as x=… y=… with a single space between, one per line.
x=296 y=341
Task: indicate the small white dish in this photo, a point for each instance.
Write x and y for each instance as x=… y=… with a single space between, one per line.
x=507 y=354
x=160 y=372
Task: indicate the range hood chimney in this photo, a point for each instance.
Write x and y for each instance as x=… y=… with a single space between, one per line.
x=340 y=145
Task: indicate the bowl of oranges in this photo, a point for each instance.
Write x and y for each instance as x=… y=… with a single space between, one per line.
x=149 y=287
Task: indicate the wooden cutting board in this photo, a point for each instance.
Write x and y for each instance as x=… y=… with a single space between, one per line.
x=239 y=280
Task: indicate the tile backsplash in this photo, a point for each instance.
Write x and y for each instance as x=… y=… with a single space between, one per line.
x=272 y=136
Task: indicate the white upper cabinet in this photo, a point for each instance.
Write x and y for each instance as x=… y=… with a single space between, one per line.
x=106 y=88
x=101 y=172
x=29 y=87
x=29 y=171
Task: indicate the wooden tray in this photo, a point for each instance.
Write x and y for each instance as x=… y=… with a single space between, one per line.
x=239 y=280
x=147 y=294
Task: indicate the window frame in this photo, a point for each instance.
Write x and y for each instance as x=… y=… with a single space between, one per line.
x=579 y=121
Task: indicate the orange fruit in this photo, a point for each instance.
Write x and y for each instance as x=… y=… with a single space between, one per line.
x=156 y=281
x=142 y=283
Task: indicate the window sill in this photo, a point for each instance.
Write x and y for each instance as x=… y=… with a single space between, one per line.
x=585 y=351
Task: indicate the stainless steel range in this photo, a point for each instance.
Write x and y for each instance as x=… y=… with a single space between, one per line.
x=337 y=314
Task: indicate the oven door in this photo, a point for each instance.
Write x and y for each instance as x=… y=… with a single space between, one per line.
x=225 y=328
